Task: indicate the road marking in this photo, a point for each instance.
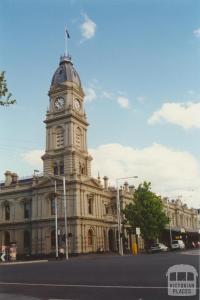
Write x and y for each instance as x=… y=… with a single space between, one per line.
x=83 y=285
x=23 y=262
x=191 y=253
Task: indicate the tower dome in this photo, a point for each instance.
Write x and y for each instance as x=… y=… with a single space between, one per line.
x=65 y=72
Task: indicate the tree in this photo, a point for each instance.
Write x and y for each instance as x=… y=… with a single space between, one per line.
x=5 y=95
x=146 y=212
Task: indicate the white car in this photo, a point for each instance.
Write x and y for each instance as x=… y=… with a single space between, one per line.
x=177 y=244
x=159 y=247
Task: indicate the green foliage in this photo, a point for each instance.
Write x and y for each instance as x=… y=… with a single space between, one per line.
x=5 y=95
x=146 y=212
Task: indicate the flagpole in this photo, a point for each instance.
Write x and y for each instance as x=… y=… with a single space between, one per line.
x=66 y=50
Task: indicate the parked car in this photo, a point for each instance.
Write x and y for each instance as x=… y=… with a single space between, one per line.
x=159 y=247
x=195 y=244
x=177 y=244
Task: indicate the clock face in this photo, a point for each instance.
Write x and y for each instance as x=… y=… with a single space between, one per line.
x=77 y=104
x=59 y=103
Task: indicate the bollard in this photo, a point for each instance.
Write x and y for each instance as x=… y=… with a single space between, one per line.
x=134 y=249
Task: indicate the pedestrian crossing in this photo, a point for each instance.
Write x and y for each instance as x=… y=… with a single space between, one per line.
x=191 y=252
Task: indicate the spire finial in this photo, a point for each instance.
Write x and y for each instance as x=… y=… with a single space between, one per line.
x=99 y=178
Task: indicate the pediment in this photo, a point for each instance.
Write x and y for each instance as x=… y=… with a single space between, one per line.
x=93 y=182
x=44 y=182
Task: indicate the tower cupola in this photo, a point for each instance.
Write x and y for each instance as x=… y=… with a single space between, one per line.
x=65 y=72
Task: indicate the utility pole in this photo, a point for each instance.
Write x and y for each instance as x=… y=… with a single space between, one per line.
x=119 y=221
x=65 y=214
x=56 y=219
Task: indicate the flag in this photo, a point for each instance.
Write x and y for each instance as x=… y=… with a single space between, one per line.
x=67 y=34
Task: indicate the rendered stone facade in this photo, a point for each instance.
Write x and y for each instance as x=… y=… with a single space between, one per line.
x=27 y=206
x=180 y=215
x=183 y=221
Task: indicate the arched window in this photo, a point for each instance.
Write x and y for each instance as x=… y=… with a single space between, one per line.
x=111 y=240
x=83 y=169
x=90 y=237
x=90 y=206
x=26 y=210
x=106 y=209
x=78 y=137
x=27 y=239
x=61 y=168
x=52 y=204
x=59 y=137
x=53 y=238
x=104 y=239
x=7 y=212
x=6 y=238
x=181 y=219
x=55 y=168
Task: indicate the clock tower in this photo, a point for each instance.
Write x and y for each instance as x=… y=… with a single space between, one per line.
x=66 y=125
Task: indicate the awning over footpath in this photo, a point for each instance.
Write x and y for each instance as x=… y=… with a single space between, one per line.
x=177 y=229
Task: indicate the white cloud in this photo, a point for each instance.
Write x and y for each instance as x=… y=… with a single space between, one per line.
x=33 y=158
x=90 y=94
x=185 y=115
x=171 y=172
x=196 y=32
x=95 y=91
x=191 y=92
x=88 y=28
x=141 y=99
x=107 y=95
x=123 y=102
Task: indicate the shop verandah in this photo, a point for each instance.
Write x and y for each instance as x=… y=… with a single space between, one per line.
x=190 y=237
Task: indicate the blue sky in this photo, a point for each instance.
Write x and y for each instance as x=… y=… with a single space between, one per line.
x=139 y=62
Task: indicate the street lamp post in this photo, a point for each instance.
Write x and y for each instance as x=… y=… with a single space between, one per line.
x=62 y=178
x=65 y=214
x=170 y=228
x=56 y=218
x=119 y=223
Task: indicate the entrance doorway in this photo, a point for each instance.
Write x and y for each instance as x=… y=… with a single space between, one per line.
x=111 y=240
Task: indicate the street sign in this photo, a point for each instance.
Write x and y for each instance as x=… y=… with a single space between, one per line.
x=137 y=230
x=3 y=256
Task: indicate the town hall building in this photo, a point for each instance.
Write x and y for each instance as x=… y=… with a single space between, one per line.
x=27 y=206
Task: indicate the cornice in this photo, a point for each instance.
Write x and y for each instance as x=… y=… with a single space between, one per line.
x=65 y=87
x=67 y=117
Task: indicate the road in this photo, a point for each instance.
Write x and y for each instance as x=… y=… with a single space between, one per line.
x=94 y=277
